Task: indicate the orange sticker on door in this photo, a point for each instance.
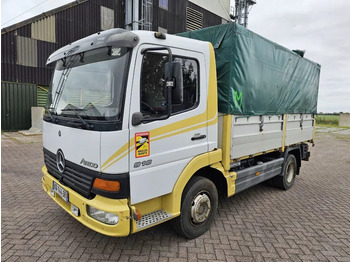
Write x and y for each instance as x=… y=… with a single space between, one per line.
x=142 y=144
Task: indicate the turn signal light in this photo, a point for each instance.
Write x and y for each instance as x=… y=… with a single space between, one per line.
x=137 y=215
x=106 y=185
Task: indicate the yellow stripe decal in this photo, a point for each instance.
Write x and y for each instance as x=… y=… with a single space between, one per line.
x=187 y=129
x=212 y=100
x=118 y=152
x=226 y=141
x=131 y=149
x=152 y=132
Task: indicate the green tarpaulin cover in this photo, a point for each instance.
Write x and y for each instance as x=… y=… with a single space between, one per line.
x=256 y=76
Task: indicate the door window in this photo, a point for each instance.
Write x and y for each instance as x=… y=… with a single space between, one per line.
x=153 y=91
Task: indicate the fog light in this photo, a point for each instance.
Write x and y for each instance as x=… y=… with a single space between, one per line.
x=102 y=216
x=75 y=210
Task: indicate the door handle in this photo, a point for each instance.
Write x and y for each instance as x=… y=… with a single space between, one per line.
x=198 y=137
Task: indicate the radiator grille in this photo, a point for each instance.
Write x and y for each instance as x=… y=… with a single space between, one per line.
x=76 y=178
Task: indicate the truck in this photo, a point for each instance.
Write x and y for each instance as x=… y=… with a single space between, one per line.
x=144 y=127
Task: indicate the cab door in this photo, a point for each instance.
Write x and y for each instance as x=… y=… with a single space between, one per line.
x=160 y=149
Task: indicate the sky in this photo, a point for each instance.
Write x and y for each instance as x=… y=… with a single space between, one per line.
x=319 y=27
x=14 y=11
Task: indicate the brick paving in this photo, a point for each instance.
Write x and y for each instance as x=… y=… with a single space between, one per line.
x=310 y=222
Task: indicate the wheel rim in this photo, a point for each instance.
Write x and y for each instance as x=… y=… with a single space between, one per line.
x=200 y=208
x=290 y=173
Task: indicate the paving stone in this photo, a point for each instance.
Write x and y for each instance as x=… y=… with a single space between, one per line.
x=310 y=222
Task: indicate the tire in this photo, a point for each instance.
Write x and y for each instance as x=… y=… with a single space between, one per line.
x=200 y=195
x=286 y=180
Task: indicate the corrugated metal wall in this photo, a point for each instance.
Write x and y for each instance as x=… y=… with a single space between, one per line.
x=24 y=60
x=16 y=103
x=77 y=22
x=25 y=49
x=21 y=63
x=8 y=57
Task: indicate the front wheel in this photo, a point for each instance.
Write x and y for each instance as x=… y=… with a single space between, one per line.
x=198 y=207
x=286 y=180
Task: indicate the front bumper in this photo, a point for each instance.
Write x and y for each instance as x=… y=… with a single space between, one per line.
x=116 y=206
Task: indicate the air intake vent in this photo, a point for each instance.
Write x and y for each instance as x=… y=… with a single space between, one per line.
x=194 y=19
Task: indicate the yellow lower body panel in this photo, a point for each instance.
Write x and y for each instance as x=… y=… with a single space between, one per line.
x=115 y=206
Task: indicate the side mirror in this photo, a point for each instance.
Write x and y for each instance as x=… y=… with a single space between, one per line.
x=177 y=92
x=136 y=118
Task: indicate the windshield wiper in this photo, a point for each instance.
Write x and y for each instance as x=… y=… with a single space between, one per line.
x=54 y=120
x=85 y=124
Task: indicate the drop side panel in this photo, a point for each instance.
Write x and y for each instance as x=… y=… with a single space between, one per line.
x=255 y=134
x=300 y=128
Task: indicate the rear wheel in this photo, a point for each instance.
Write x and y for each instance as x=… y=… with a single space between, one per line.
x=286 y=180
x=198 y=207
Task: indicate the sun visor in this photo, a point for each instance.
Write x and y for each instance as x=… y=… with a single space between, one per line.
x=115 y=37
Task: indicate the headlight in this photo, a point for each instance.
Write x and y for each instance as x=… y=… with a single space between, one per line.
x=102 y=216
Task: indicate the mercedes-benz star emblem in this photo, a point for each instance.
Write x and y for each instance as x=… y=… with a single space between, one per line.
x=60 y=162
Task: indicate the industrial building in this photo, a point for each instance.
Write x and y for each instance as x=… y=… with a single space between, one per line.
x=26 y=45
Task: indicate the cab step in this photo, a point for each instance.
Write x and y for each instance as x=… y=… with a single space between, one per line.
x=152 y=218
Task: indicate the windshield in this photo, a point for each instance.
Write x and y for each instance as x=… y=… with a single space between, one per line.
x=89 y=85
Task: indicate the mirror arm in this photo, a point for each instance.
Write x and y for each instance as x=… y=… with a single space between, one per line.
x=168 y=79
x=170 y=85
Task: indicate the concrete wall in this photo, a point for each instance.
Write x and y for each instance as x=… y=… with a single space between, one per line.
x=37 y=117
x=344 y=119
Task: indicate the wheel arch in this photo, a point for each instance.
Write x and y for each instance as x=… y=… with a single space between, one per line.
x=198 y=166
x=296 y=151
x=216 y=177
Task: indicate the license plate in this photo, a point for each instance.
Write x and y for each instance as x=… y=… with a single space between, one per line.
x=60 y=191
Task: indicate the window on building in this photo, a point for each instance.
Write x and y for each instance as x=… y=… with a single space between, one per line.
x=163 y=4
x=153 y=91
